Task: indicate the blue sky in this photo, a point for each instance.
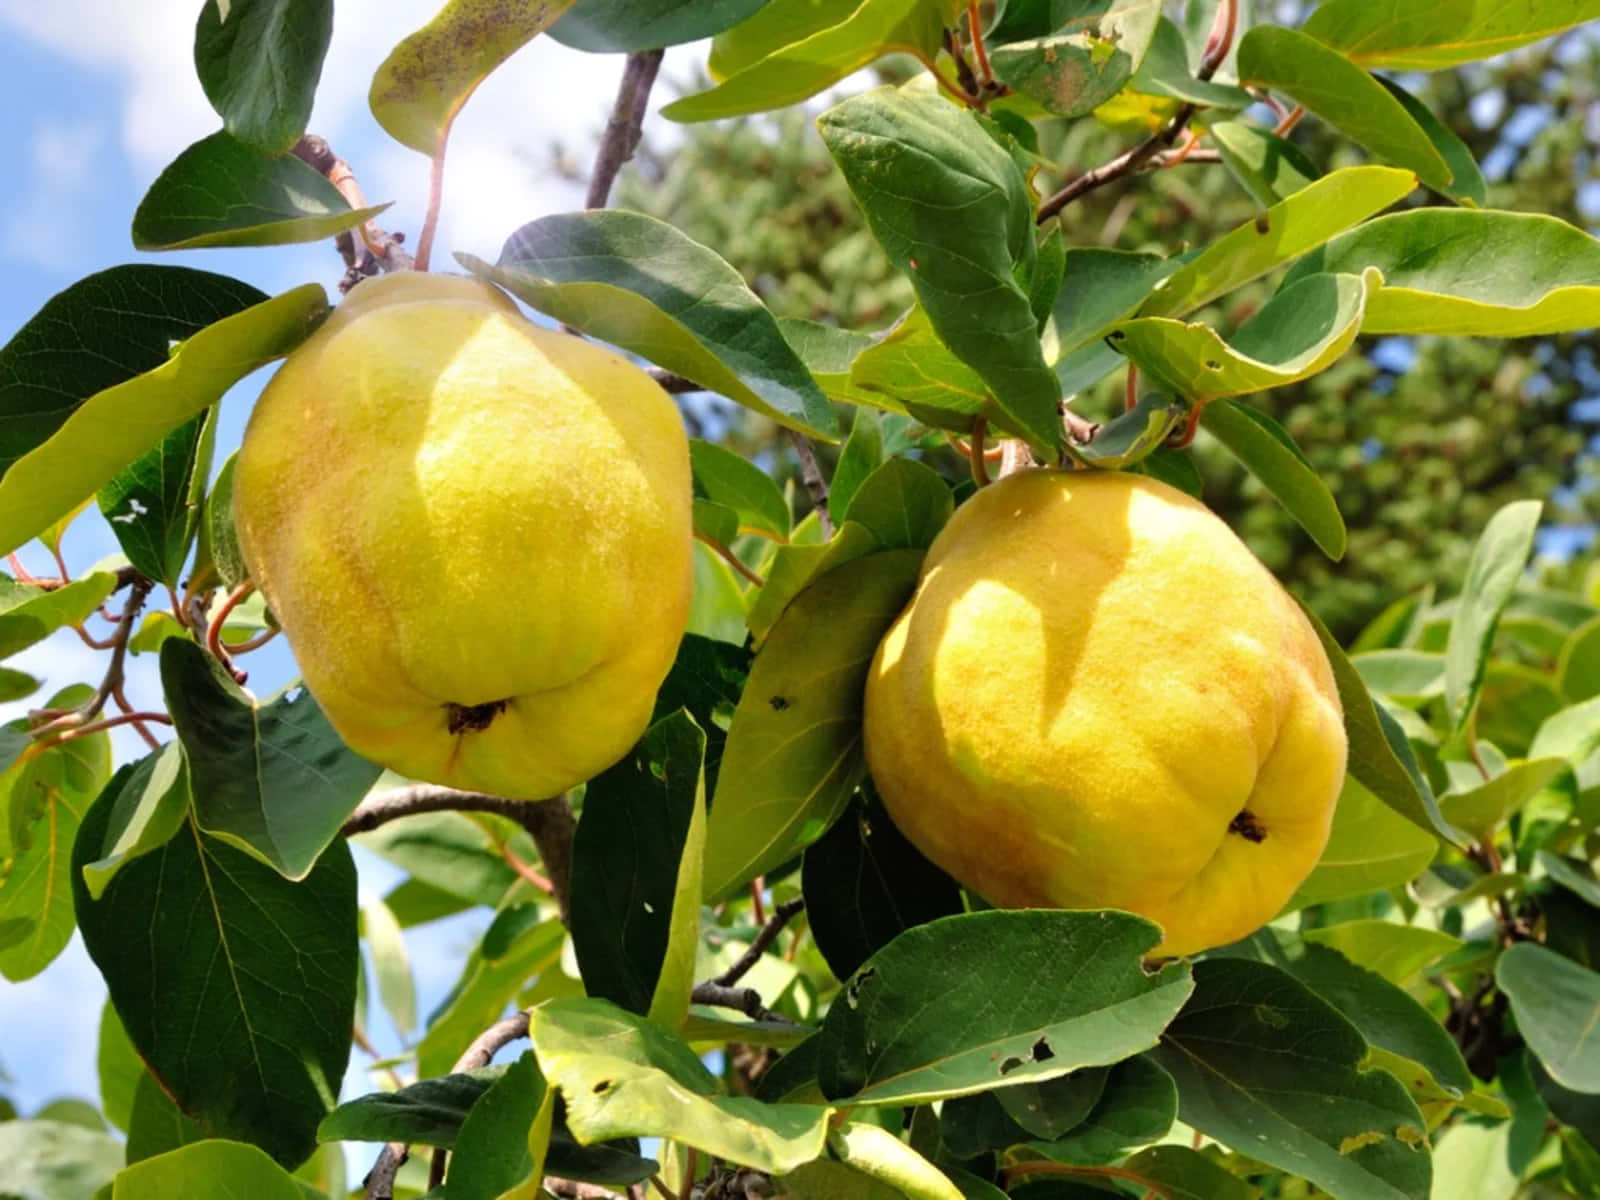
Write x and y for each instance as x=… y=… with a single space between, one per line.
x=99 y=96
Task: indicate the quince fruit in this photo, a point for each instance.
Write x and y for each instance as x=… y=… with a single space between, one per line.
x=1099 y=698
x=474 y=531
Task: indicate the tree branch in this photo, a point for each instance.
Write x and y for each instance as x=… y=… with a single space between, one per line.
x=781 y=916
x=811 y=476
x=549 y=822
x=375 y=250
x=625 y=126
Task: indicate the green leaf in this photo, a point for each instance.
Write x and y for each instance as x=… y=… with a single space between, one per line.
x=1165 y=73
x=51 y=1160
x=85 y=418
x=1557 y=1006
x=1429 y=35
x=149 y=801
x=1343 y=95
x=272 y=780
x=1577 y=877
x=1136 y=1107
x=794 y=748
x=1077 y=996
x=1412 y=674
x=861 y=455
x=1130 y=437
x=259 y=62
x=910 y=370
x=825 y=1179
x=624 y=26
x=1497 y=563
x=1380 y=758
x=793 y=71
x=1481 y=810
x=865 y=884
x=1397 y=952
x=219 y=540
x=903 y=504
x=488 y=983
x=157 y=1125
x=199 y=946
x=1387 y=1017
x=780 y=23
x=827 y=352
x=638 y=825
x=1578 y=667
x=1371 y=847
x=1290 y=228
x=221 y=192
x=118 y=1067
x=1298 y=333
x=210 y=1170
x=729 y=478
x=447 y=850
x=429 y=1111
x=1470 y=272
x=1101 y=287
x=910 y=161
x=16 y=685
x=1056 y=1107
x=153 y=505
x=1265 y=449
x=503 y=1141
x=1264 y=1065
x=1186 y=1174
x=43 y=800
x=418 y=90
x=623 y=1076
x=1467 y=185
x=638 y=283
x=706 y=678
x=397 y=991
x=1469 y=1159
x=1072 y=58
x=879 y=1154
x=29 y=614
x=1268 y=167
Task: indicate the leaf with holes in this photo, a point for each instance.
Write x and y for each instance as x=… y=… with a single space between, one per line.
x=1264 y=1065
x=153 y=505
x=1292 y=227
x=1077 y=996
x=1072 y=64
x=623 y=1076
x=794 y=749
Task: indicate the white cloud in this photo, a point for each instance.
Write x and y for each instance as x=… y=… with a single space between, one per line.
x=60 y=165
x=497 y=175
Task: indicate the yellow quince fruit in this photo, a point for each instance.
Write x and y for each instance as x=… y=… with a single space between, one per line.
x=1099 y=698
x=475 y=533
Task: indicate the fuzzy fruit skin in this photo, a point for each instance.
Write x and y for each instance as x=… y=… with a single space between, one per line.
x=1094 y=678
x=445 y=504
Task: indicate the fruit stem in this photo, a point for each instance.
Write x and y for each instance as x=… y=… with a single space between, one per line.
x=980 y=469
x=214 y=628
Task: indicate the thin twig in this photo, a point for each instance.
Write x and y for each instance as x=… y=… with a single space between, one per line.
x=980 y=468
x=781 y=916
x=491 y=1041
x=677 y=385
x=625 y=125
x=811 y=476
x=975 y=33
x=214 y=627
x=376 y=250
x=732 y=559
x=379 y=1183
x=119 y=648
